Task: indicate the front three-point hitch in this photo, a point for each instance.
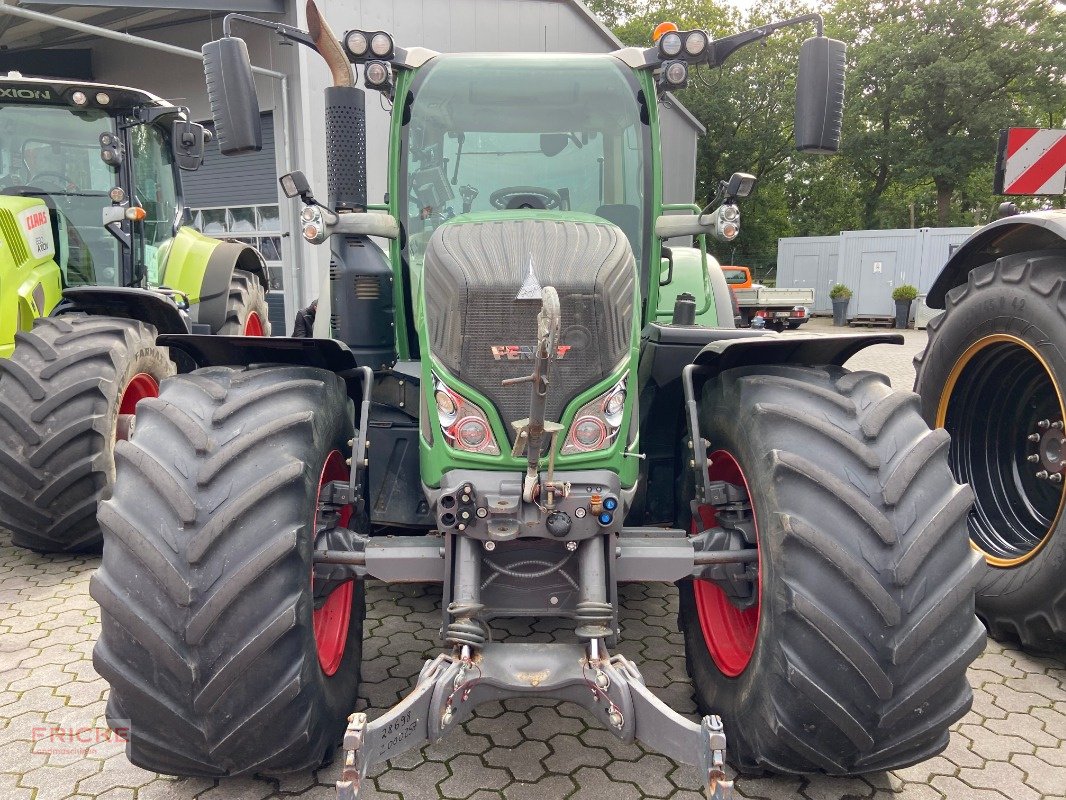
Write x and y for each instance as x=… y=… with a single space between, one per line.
x=539 y=544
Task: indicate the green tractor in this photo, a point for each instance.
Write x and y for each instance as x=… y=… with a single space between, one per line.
x=500 y=390
x=96 y=259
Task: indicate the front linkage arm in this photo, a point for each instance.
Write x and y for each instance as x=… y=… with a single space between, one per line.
x=610 y=687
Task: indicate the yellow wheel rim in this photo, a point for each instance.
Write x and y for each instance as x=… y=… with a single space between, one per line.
x=983 y=355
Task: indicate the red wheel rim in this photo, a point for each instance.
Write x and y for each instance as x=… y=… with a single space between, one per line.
x=330 y=622
x=729 y=633
x=253 y=326
x=141 y=385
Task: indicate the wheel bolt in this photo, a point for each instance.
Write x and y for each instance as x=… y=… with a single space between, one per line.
x=1033 y=458
x=1057 y=425
x=1055 y=477
x=1044 y=424
x=1034 y=437
x=1042 y=474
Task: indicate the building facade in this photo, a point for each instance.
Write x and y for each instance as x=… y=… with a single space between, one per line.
x=238 y=197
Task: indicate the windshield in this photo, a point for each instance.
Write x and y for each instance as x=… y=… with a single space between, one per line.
x=155 y=190
x=520 y=132
x=54 y=153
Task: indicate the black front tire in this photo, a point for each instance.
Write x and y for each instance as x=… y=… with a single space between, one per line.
x=208 y=634
x=1007 y=320
x=866 y=623
x=60 y=394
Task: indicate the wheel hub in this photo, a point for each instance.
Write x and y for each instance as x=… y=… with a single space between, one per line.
x=729 y=619
x=1050 y=452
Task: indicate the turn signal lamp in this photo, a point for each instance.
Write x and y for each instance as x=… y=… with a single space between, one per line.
x=136 y=214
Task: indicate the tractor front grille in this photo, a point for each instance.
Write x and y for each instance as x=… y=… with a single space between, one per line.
x=483 y=334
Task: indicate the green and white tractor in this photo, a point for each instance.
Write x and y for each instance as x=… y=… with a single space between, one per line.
x=502 y=389
x=95 y=260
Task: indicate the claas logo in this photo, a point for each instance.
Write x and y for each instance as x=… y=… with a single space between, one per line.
x=522 y=352
x=36 y=220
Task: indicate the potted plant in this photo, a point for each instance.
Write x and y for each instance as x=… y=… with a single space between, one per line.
x=904 y=295
x=841 y=296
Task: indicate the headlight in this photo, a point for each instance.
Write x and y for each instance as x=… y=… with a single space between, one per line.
x=596 y=424
x=670 y=44
x=695 y=43
x=675 y=73
x=381 y=45
x=377 y=75
x=357 y=43
x=462 y=423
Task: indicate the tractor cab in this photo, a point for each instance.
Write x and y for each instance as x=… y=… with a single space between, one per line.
x=481 y=139
x=104 y=162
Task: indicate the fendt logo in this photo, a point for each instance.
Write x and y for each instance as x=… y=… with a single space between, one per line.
x=522 y=352
x=15 y=93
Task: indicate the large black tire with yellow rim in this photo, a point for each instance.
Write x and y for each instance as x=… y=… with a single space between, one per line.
x=993 y=375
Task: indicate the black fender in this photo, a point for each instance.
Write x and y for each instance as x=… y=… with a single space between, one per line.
x=1021 y=233
x=143 y=305
x=668 y=350
x=240 y=351
x=790 y=348
x=214 y=291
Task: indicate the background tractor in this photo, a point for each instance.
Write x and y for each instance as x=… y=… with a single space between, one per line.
x=499 y=388
x=97 y=260
x=994 y=377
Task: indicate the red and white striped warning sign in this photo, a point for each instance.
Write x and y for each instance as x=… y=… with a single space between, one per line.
x=1032 y=161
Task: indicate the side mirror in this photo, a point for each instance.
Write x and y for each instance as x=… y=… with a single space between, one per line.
x=820 y=95
x=187 y=140
x=231 y=89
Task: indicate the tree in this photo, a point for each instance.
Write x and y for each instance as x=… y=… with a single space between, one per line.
x=932 y=84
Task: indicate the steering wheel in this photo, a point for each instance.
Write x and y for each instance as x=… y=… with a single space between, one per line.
x=64 y=183
x=512 y=197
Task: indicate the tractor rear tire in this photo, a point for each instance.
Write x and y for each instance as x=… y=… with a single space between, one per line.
x=247 y=313
x=216 y=656
x=210 y=639
x=995 y=367
x=855 y=659
x=61 y=394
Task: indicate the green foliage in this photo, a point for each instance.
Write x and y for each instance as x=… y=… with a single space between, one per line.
x=905 y=292
x=930 y=84
x=840 y=292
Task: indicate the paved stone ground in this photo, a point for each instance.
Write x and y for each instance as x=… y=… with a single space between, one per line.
x=1011 y=746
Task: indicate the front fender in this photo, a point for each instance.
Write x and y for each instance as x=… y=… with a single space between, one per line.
x=791 y=348
x=1039 y=230
x=202 y=268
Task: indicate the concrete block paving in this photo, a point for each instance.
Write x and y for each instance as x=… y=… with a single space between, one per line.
x=1011 y=746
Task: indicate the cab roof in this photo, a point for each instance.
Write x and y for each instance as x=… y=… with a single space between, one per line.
x=15 y=87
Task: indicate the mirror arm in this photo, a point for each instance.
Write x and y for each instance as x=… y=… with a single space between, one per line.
x=723 y=48
x=282 y=30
